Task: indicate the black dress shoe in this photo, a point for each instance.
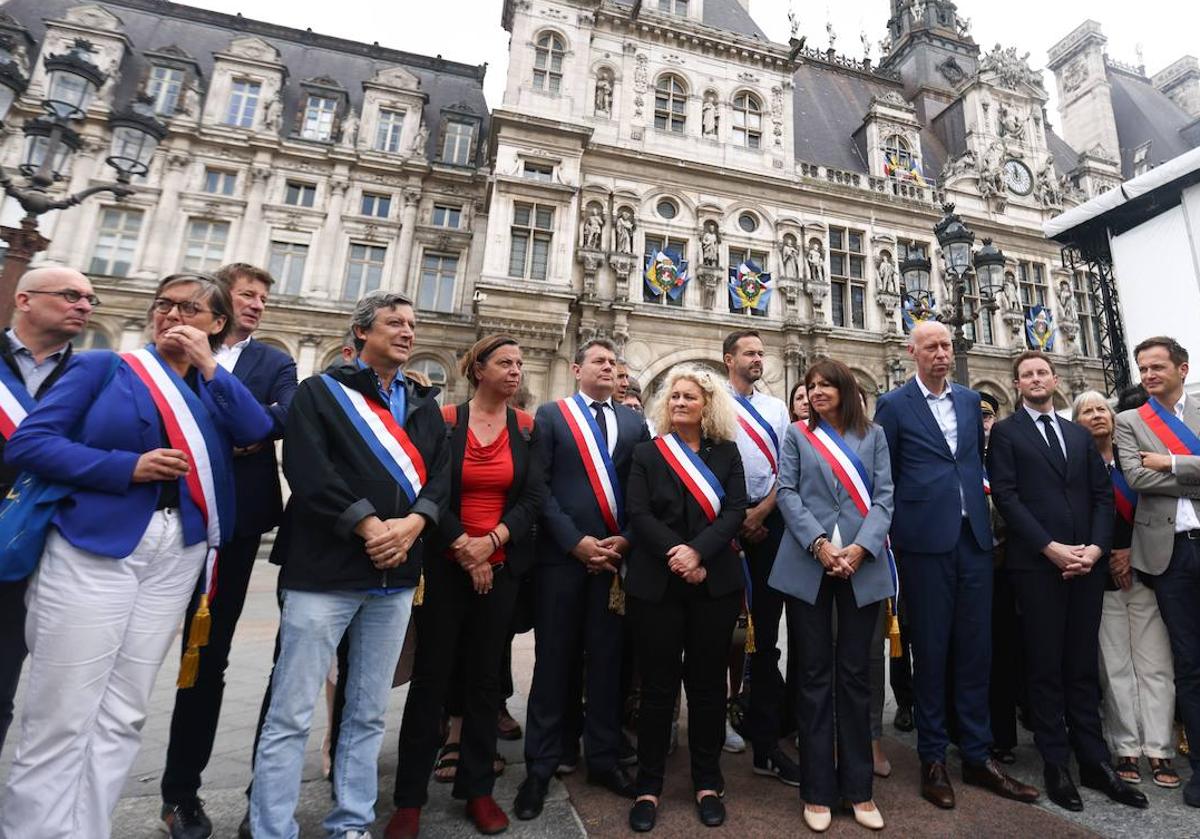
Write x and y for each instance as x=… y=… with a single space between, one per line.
x=711 y=811
x=1103 y=778
x=531 y=797
x=614 y=780
x=1061 y=789
x=1191 y=792
x=642 y=816
x=904 y=719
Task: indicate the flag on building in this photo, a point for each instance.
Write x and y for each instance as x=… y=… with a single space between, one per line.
x=666 y=273
x=749 y=287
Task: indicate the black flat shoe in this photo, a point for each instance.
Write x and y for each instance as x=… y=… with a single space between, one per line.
x=642 y=816
x=1103 y=778
x=1061 y=789
x=615 y=780
x=531 y=797
x=711 y=810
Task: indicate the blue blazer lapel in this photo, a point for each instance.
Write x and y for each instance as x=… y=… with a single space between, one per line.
x=248 y=360
x=920 y=407
x=1031 y=431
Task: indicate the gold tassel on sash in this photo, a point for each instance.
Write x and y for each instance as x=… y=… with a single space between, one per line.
x=750 y=647
x=198 y=631
x=893 y=631
x=616 y=596
x=419 y=594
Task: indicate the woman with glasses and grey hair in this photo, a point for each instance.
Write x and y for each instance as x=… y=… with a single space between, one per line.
x=141 y=444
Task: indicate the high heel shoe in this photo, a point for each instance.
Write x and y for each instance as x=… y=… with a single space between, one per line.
x=817 y=821
x=871 y=819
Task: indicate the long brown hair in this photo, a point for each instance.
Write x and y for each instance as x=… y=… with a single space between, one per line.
x=851 y=416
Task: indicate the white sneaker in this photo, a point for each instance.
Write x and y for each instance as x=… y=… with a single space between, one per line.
x=733 y=741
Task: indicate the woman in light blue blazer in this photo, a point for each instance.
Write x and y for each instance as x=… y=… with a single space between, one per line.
x=834 y=553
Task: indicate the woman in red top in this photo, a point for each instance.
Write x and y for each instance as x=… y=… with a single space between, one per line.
x=497 y=488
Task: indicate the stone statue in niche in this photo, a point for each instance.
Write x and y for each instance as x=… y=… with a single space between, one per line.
x=349 y=129
x=1011 y=124
x=1047 y=183
x=625 y=224
x=273 y=117
x=1067 y=311
x=604 y=93
x=189 y=103
x=593 y=230
x=421 y=140
x=789 y=253
x=816 y=262
x=1012 y=297
x=887 y=273
x=708 y=115
x=710 y=245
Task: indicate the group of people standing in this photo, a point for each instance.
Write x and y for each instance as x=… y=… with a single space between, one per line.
x=720 y=503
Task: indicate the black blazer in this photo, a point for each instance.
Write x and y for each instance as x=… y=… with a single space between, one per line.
x=663 y=513
x=523 y=503
x=1039 y=502
x=8 y=473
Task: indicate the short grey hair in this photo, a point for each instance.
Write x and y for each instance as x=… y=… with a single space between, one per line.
x=367 y=308
x=1087 y=398
x=581 y=353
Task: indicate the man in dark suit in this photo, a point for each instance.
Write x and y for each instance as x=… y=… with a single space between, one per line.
x=578 y=558
x=34 y=351
x=270 y=375
x=1053 y=490
x=942 y=536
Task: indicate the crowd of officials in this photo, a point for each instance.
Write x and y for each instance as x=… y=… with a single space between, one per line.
x=1027 y=568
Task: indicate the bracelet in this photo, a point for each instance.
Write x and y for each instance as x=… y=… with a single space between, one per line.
x=816 y=544
x=495 y=540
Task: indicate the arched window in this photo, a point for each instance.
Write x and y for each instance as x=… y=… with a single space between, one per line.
x=670 y=104
x=747 y=120
x=898 y=159
x=431 y=369
x=91 y=339
x=547 y=62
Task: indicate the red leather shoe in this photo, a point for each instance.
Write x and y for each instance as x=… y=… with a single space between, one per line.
x=486 y=813
x=405 y=823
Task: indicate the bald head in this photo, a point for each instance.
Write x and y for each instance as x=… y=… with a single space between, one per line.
x=926 y=328
x=52 y=276
x=45 y=316
x=931 y=348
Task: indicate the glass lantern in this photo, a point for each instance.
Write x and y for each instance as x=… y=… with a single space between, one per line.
x=72 y=79
x=135 y=135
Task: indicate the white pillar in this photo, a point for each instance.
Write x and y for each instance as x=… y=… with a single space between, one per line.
x=328 y=243
x=160 y=233
x=250 y=234
x=408 y=225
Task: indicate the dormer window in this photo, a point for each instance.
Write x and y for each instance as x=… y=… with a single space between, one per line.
x=898 y=159
x=389 y=130
x=673 y=7
x=243 y=103
x=547 y=62
x=164 y=86
x=456 y=142
x=319 y=114
x=1141 y=159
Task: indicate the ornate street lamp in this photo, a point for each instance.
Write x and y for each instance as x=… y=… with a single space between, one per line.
x=12 y=81
x=989 y=273
x=136 y=133
x=918 y=293
x=72 y=79
x=955 y=239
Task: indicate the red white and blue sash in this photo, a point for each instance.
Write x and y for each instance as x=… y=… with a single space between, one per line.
x=385 y=437
x=15 y=401
x=189 y=429
x=597 y=464
x=1124 y=497
x=987 y=483
x=850 y=472
x=1170 y=430
x=693 y=472
x=758 y=430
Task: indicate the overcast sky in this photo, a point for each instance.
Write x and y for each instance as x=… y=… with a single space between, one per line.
x=470 y=31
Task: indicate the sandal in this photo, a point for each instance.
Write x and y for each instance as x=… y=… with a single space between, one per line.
x=1127 y=769
x=1163 y=775
x=447 y=762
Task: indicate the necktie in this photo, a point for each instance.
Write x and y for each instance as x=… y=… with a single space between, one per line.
x=1056 y=452
x=598 y=407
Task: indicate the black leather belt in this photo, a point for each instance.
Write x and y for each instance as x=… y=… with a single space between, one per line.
x=1192 y=535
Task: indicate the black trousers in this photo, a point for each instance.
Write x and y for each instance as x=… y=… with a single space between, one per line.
x=1006 y=690
x=573 y=621
x=834 y=706
x=1177 y=591
x=12 y=648
x=766 y=607
x=198 y=708
x=1060 y=620
x=685 y=636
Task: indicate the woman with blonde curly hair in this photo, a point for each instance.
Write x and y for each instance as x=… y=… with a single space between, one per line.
x=686 y=500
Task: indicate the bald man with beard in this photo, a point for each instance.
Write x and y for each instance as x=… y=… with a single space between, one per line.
x=53 y=305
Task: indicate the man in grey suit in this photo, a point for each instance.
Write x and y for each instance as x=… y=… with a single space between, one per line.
x=1166 y=530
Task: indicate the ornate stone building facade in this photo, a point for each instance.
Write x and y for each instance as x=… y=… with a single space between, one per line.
x=672 y=125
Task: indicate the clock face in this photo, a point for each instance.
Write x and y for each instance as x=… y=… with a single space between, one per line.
x=1017 y=177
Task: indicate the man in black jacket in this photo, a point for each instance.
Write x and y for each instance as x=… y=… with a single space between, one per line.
x=53 y=305
x=365 y=456
x=1053 y=490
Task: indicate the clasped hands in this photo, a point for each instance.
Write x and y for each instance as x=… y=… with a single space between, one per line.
x=684 y=560
x=388 y=541
x=1072 y=560
x=840 y=562
x=599 y=555
x=473 y=553
x=1120 y=569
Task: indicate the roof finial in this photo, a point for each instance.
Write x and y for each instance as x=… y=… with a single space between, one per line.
x=866 y=44
x=1141 y=58
x=829 y=30
x=793 y=20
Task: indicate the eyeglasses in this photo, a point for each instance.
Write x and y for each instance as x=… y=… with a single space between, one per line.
x=187 y=308
x=71 y=296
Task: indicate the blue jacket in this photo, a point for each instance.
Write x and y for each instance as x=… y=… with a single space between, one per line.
x=927 y=477
x=107 y=512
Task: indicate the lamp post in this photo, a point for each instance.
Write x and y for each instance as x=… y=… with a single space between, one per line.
x=72 y=79
x=956 y=240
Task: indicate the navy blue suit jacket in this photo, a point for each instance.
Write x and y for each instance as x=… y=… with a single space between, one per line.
x=270 y=376
x=570 y=511
x=927 y=477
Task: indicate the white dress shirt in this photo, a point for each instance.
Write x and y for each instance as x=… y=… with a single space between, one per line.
x=760 y=477
x=1185 y=511
x=610 y=417
x=1034 y=415
x=942 y=408
x=228 y=354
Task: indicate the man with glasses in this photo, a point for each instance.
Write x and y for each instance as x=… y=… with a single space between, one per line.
x=270 y=376
x=53 y=305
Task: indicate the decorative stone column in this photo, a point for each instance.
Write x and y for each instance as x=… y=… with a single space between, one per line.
x=322 y=281
x=408 y=229
x=164 y=220
x=306 y=360
x=250 y=232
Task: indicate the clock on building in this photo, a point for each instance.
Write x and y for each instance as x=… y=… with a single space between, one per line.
x=1017 y=177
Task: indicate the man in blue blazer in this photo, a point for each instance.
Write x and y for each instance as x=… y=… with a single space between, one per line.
x=270 y=376
x=578 y=556
x=941 y=533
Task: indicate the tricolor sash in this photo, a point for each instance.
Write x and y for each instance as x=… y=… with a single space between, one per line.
x=1124 y=497
x=385 y=437
x=758 y=430
x=15 y=401
x=850 y=472
x=693 y=472
x=1170 y=430
x=987 y=483
x=597 y=463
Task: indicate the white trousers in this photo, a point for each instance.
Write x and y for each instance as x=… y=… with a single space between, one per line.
x=98 y=630
x=1137 y=675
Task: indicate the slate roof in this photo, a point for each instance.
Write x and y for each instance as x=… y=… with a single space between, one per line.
x=727 y=15
x=152 y=25
x=1145 y=114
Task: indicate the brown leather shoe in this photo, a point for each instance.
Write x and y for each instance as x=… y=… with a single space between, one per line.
x=990 y=776
x=935 y=785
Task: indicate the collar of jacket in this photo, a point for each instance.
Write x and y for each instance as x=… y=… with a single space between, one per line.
x=362 y=379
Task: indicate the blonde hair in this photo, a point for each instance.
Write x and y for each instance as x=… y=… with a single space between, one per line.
x=718 y=421
x=1085 y=399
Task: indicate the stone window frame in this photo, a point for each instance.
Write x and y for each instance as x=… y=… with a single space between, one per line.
x=552 y=44
x=280 y=276
x=207 y=263
x=851 y=282
x=747 y=133
x=671 y=97
x=120 y=234
x=440 y=254
x=534 y=232
x=349 y=260
x=461 y=118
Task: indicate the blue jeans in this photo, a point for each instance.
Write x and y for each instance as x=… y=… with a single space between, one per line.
x=311 y=626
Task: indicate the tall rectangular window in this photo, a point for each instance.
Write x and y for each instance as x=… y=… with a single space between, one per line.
x=981 y=328
x=243 y=103
x=436 y=291
x=456 y=142
x=300 y=194
x=287 y=265
x=847 y=278
x=446 y=216
x=219 y=182
x=319 y=114
x=375 y=204
x=116 y=242
x=389 y=130
x=1031 y=277
x=204 y=244
x=675 y=247
x=532 y=233
x=364 y=270
x=760 y=258
x=164 y=86
x=1089 y=311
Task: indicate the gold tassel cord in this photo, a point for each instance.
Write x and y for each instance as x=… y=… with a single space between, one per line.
x=894 y=648
x=750 y=647
x=616 y=596
x=419 y=594
x=198 y=632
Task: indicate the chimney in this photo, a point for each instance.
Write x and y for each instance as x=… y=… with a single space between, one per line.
x=1181 y=82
